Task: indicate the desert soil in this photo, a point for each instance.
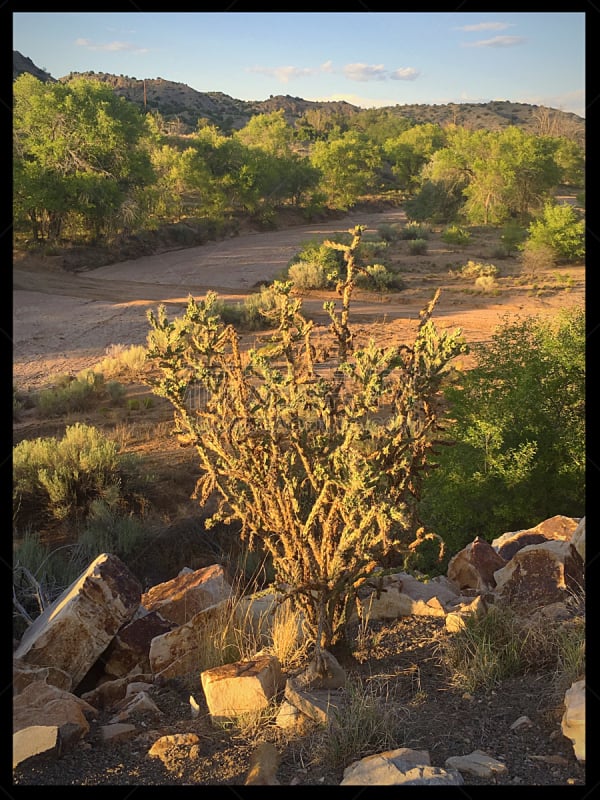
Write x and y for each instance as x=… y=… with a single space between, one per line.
x=63 y=321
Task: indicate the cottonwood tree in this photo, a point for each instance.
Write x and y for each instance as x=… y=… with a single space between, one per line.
x=320 y=456
x=80 y=153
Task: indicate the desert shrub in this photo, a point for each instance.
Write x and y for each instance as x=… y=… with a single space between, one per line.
x=378 y=277
x=363 y=723
x=561 y=229
x=122 y=361
x=40 y=575
x=116 y=391
x=417 y=247
x=457 y=235
x=316 y=252
x=501 y=644
x=343 y=454
x=18 y=404
x=389 y=232
x=110 y=528
x=516 y=447
x=310 y=275
x=474 y=269
x=536 y=257
x=257 y=307
x=486 y=283
x=70 y=394
x=370 y=250
x=59 y=478
x=512 y=236
x=415 y=230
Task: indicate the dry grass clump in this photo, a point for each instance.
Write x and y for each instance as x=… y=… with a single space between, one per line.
x=502 y=644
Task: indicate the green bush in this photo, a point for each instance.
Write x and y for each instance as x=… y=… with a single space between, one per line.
x=415 y=230
x=116 y=391
x=110 y=529
x=517 y=453
x=317 y=252
x=513 y=235
x=390 y=232
x=59 y=478
x=561 y=229
x=455 y=234
x=417 y=247
x=310 y=275
x=474 y=269
x=436 y=202
x=379 y=278
x=70 y=394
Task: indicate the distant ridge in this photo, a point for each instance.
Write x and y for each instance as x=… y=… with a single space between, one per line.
x=182 y=106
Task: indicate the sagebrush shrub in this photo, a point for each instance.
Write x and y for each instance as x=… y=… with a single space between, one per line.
x=122 y=361
x=310 y=275
x=415 y=230
x=59 y=478
x=417 y=247
x=455 y=234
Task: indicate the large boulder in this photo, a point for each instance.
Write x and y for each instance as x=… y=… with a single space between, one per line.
x=402 y=595
x=243 y=687
x=181 y=598
x=557 y=527
x=179 y=651
x=402 y=766
x=74 y=630
x=40 y=704
x=539 y=575
x=473 y=567
x=130 y=649
x=573 y=720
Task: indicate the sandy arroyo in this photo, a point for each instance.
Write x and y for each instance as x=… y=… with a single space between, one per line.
x=64 y=321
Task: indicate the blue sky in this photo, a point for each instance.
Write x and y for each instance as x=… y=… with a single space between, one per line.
x=366 y=58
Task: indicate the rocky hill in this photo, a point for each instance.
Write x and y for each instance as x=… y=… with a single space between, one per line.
x=182 y=106
x=23 y=64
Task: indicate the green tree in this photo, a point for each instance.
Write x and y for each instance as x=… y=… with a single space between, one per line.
x=79 y=150
x=517 y=453
x=570 y=158
x=268 y=132
x=380 y=124
x=321 y=465
x=349 y=166
x=411 y=151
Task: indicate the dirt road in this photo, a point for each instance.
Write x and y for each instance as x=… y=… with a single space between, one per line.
x=64 y=322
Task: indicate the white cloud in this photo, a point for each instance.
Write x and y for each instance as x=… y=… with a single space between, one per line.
x=485 y=26
x=354 y=72
x=405 y=74
x=365 y=72
x=115 y=46
x=497 y=41
x=286 y=74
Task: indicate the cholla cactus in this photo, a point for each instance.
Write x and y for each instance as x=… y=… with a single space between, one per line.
x=319 y=460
